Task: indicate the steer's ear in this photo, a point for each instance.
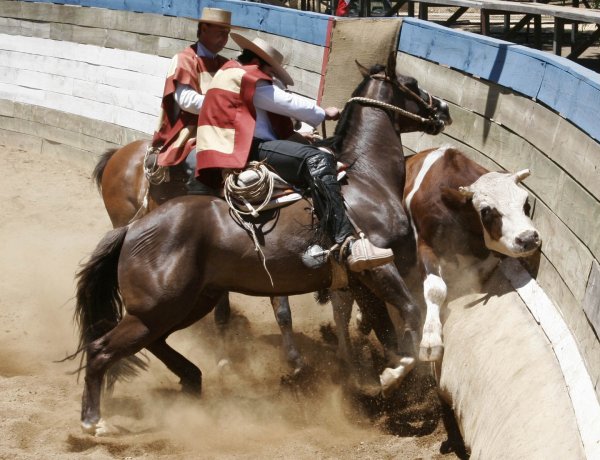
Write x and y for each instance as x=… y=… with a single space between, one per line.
x=455 y=198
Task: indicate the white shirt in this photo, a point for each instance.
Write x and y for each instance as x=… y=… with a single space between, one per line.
x=270 y=98
x=185 y=96
x=267 y=98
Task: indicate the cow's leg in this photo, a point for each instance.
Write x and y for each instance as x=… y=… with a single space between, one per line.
x=434 y=292
x=283 y=315
x=486 y=267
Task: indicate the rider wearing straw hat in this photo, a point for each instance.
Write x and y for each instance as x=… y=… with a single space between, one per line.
x=189 y=76
x=244 y=117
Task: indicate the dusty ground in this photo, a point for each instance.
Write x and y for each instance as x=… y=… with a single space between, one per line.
x=52 y=217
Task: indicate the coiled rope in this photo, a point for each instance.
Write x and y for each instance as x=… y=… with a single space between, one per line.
x=261 y=187
x=154 y=173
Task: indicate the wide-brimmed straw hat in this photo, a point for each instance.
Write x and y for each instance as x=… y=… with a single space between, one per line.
x=267 y=53
x=217 y=17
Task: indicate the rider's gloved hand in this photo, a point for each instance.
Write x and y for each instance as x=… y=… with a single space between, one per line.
x=332 y=113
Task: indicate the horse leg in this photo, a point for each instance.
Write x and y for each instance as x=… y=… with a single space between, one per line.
x=128 y=337
x=283 y=315
x=341 y=303
x=387 y=284
x=222 y=316
x=190 y=376
x=125 y=339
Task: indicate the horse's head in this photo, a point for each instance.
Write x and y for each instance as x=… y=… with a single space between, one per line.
x=411 y=107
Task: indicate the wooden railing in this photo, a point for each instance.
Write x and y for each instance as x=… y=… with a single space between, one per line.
x=530 y=11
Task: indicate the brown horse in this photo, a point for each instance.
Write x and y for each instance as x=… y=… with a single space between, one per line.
x=169 y=268
x=128 y=195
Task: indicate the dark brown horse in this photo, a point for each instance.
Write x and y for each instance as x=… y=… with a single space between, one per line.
x=169 y=268
x=128 y=195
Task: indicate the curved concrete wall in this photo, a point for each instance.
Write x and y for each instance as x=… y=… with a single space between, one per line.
x=89 y=78
x=517 y=108
x=76 y=79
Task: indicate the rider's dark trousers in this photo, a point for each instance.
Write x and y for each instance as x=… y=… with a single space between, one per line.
x=307 y=166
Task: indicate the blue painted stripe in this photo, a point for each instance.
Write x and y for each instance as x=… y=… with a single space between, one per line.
x=187 y=8
x=299 y=25
x=563 y=85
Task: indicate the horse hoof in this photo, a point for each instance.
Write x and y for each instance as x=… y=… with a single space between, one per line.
x=100 y=428
x=391 y=378
x=429 y=354
x=223 y=365
x=369 y=390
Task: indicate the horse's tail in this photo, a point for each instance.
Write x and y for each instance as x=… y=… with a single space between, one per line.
x=101 y=166
x=99 y=306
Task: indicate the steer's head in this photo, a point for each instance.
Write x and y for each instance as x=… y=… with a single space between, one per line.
x=503 y=208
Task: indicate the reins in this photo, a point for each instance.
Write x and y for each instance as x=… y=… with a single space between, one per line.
x=394 y=108
x=384 y=105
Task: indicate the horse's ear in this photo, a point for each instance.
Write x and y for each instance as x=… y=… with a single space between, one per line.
x=362 y=69
x=390 y=68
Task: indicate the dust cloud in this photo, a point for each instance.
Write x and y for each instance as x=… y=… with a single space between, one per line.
x=52 y=220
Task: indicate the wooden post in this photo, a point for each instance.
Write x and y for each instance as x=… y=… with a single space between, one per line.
x=559 y=28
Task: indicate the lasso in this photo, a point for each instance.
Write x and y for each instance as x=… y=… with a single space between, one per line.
x=262 y=186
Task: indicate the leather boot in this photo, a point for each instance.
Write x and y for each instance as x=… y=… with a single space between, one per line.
x=364 y=255
x=329 y=204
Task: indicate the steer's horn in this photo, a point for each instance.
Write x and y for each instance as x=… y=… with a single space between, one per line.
x=521 y=175
x=466 y=191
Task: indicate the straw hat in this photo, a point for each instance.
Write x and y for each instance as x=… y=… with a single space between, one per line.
x=217 y=17
x=267 y=53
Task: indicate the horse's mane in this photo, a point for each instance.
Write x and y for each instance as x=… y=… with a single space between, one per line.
x=341 y=129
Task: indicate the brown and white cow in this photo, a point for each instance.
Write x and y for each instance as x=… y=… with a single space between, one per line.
x=458 y=208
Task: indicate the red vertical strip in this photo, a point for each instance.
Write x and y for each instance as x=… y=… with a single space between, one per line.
x=326 y=51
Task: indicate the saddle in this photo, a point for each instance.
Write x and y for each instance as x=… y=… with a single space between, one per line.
x=249 y=191
x=258 y=188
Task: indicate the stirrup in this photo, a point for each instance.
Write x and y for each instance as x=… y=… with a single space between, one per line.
x=345 y=247
x=364 y=255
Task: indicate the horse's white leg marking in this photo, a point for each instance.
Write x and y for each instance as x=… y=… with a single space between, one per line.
x=435 y=291
x=391 y=378
x=101 y=428
x=223 y=364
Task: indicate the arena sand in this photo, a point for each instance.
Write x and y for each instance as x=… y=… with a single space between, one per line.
x=52 y=218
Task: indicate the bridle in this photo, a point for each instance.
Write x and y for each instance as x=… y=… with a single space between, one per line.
x=432 y=118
